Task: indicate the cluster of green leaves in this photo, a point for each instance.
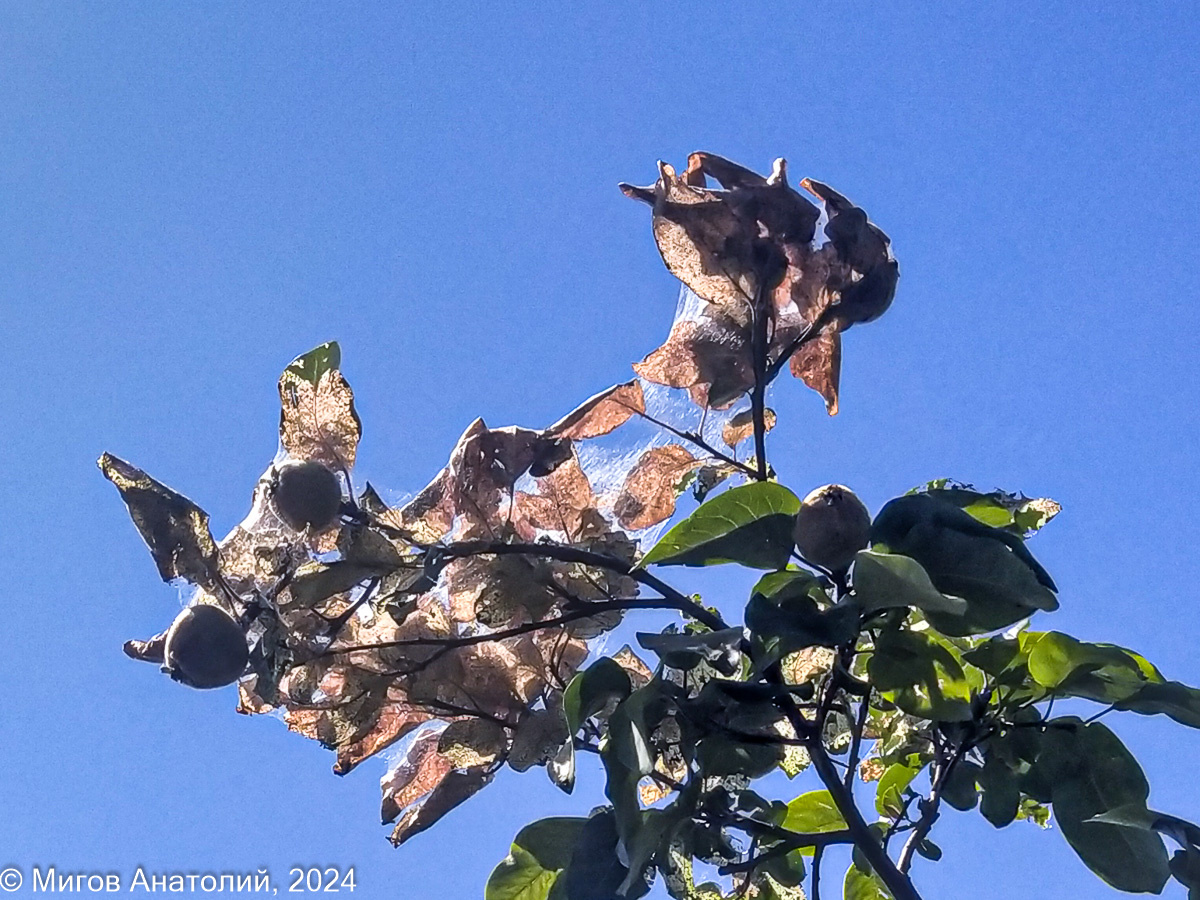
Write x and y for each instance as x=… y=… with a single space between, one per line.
x=893 y=666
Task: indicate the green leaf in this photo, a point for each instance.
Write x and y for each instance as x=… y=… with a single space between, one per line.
x=1001 y=793
x=887 y=580
x=1091 y=772
x=1185 y=866
x=539 y=853
x=1054 y=657
x=719 y=755
x=592 y=689
x=751 y=525
x=630 y=727
x=889 y=793
x=959 y=789
x=813 y=813
x=1137 y=815
x=929 y=850
x=720 y=649
x=860 y=885
x=595 y=871
x=316 y=362
x=921 y=673
x=1170 y=698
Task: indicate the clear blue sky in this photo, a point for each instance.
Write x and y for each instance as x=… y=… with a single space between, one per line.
x=193 y=193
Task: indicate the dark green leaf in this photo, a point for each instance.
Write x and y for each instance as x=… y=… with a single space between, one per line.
x=316 y=362
x=1179 y=701
x=1090 y=773
x=720 y=649
x=592 y=689
x=595 y=872
x=887 y=580
x=751 y=525
x=1001 y=793
x=959 y=789
x=929 y=850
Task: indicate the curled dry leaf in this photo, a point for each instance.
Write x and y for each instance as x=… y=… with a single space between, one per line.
x=648 y=495
x=602 y=413
x=421 y=771
x=741 y=426
x=173 y=527
x=756 y=235
x=317 y=419
x=709 y=356
x=150 y=650
x=819 y=364
x=454 y=789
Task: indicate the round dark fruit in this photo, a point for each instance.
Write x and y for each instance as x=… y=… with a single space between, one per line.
x=832 y=525
x=205 y=648
x=307 y=495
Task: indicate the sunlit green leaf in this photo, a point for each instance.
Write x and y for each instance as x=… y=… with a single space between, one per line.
x=751 y=524
x=540 y=851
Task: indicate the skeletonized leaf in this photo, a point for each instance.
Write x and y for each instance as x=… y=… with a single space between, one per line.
x=741 y=426
x=564 y=502
x=173 y=527
x=317 y=418
x=602 y=413
x=648 y=495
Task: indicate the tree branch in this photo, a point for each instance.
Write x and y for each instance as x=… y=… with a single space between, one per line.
x=671 y=598
x=929 y=810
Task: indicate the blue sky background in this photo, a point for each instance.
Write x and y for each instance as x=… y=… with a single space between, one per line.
x=193 y=193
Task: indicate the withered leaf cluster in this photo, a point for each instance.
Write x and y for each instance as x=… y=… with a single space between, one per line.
x=362 y=636
x=750 y=242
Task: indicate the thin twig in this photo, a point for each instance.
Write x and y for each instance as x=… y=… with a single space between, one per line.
x=760 y=322
x=695 y=438
x=818 y=853
x=671 y=598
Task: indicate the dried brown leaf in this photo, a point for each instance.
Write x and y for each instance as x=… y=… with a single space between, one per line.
x=421 y=771
x=710 y=357
x=318 y=420
x=538 y=737
x=741 y=426
x=818 y=363
x=648 y=495
x=562 y=504
x=640 y=674
x=173 y=527
x=454 y=789
x=150 y=650
x=472 y=742
x=394 y=721
x=602 y=413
